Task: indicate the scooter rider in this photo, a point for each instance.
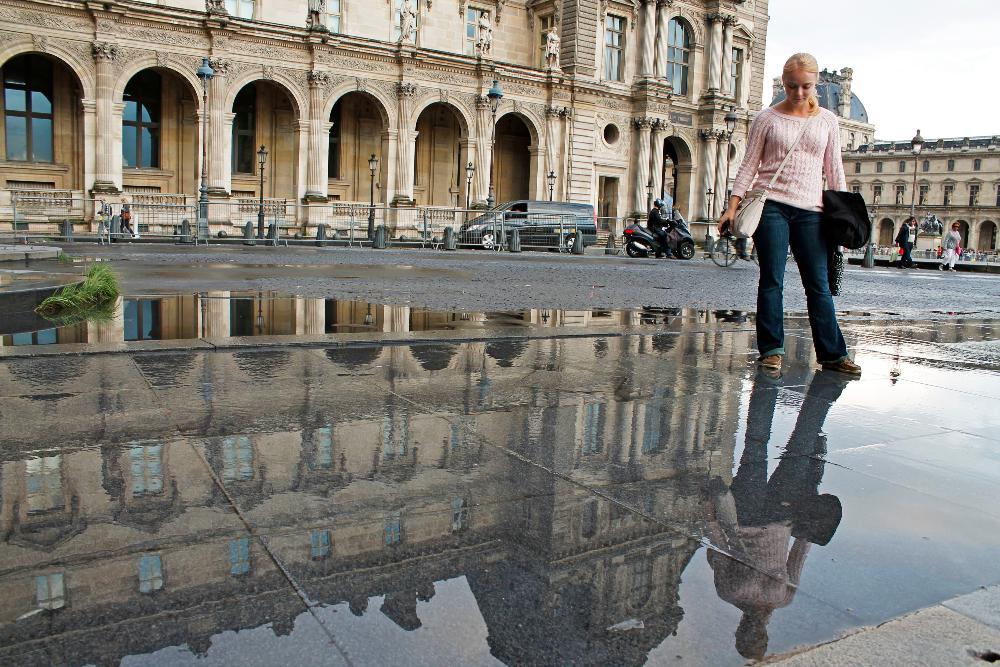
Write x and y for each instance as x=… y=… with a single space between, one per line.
x=659 y=226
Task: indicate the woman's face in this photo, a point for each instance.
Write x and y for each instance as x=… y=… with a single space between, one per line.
x=799 y=85
x=955 y=228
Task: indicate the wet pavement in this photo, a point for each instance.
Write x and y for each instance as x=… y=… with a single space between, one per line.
x=638 y=493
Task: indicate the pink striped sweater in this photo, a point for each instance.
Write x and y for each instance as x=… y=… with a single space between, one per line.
x=817 y=156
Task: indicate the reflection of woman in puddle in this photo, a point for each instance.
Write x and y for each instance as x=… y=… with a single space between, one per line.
x=768 y=524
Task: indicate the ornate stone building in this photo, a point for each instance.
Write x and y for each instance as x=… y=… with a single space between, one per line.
x=835 y=93
x=957 y=180
x=609 y=96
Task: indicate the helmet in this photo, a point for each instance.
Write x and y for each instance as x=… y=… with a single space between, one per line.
x=657 y=203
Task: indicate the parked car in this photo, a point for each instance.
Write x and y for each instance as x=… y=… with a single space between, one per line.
x=550 y=224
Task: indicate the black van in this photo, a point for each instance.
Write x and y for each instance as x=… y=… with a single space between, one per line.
x=549 y=224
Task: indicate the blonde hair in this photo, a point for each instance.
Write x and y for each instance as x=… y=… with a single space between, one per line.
x=806 y=63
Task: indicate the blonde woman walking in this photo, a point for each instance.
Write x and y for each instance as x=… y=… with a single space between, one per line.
x=792 y=213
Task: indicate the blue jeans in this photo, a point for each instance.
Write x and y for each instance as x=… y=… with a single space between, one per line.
x=781 y=225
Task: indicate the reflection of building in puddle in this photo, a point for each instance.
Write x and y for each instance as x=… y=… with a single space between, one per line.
x=361 y=493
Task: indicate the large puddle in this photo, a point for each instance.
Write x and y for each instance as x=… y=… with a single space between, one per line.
x=600 y=500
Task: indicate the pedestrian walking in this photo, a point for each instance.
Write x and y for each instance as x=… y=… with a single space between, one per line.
x=906 y=237
x=791 y=216
x=950 y=244
x=126 y=217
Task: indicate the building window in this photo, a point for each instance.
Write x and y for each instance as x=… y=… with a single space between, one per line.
x=948 y=191
x=614 y=48
x=334 y=15
x=245 y=131
x=998 y=195
x=642 y=583
x=878 y=167
x=146 y=470
x=150 y=573
x=239 y=556
x=926 y=166
x=857 y=167
x=472 y=16
x=877 y=192
x=902 y=166
x=652 y=418
x=44 y=484
x=900 y=194
x=951 y=165
x=923 y=194
x=336 y=139
x=588 y=524
x=856 y=189
x=459 y=514
x=320 y=544
x=457 y=438
x=240 y=8
x=141 y=122
x=393 y=528
x=27 y=85
x=396 y=19
x=43 y=337
x=545 y=24
x=237 y=459
x=977 y=164
x=593 y=418
x=973 y=195
x=850 y=144
x=142 y=319
x=50 y=593
x=323 y=459
x=678 y=56
x=736 y=78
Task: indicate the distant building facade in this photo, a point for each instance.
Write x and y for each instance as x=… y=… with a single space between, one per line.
x=615 y=98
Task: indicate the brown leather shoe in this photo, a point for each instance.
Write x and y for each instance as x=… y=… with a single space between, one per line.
x=843 y=366
x=772 y=361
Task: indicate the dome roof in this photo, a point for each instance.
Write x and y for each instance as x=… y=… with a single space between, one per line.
x=829 y=92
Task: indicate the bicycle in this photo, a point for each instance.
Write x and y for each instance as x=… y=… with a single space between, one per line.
x=724 y=253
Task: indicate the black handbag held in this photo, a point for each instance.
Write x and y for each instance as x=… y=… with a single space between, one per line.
x=845 y=219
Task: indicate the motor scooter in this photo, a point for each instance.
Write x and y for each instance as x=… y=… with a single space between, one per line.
x=640 y=242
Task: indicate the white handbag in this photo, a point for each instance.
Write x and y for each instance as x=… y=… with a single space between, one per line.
x=752 y=206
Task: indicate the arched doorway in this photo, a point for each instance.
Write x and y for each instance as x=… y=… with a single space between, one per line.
x=512 y=160
x=160 y=152
x=886 y=232
x=963 y=229
x=439 y=161
x=676 y=175
x=41 y=125
x=264 y=114
x=357 y=131
x=987 y=236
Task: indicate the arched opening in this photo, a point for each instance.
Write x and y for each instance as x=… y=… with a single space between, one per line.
x=963 y=229
x=512 y=160
x=160 y=152
x=357 y=131
x=264 y=114
x=987 y=236
x=41 y=138
x=886 y=229
x=439 y=166
x=676 y=175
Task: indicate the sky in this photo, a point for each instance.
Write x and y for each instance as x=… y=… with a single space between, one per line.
x=918 y=64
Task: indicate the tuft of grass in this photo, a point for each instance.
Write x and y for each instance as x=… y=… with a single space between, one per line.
x=92 y=300
x=64 y=258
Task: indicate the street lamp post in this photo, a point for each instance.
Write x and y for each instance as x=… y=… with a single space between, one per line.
x=495 y=94
x=261 y=161
x=649 y=194
x=470 y=171
x=710 y=197
x=917 y=142
x=731 y=119
x=205 y=73
x=552 y=183
x=372 y=167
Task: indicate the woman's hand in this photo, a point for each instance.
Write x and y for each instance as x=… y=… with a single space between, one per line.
x=728 y=217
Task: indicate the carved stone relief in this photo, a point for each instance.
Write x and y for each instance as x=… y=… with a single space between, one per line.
x=47 y=19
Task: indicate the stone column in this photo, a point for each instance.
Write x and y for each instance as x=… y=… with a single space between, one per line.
x=722 y=177
x=315 y=188
x=228 y=118
x=302 y=151
x=648 y=38
x=218 y=184
x=714 y=49
x=484 y=150
x=111 y=331
x=105 y=55
x=662 y=37
x=553 y=132
x=216 y=314
x=314 y=315
x=407 y=140
x=656 y=156
x=641 y=177
x=727 y=55
x=91 y=144
x=709 y=148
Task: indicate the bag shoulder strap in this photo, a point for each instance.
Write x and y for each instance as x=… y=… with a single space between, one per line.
x=788 y=155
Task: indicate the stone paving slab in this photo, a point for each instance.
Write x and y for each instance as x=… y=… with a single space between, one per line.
x=19 y=253
x=983 y=606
